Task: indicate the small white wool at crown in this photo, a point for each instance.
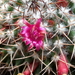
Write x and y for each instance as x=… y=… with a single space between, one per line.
x=36 y=15
x=51 y=6
x=47 y=28
x=20 y=22
x=46 y=1
x=60 y=28
x=58 y=43
x=28 y=13
x=45 y=24
x=10 y=34
x=4 y=7
x=63 y=11
x=41 y=4
x=9 y=18
x=16 y=12
x=2 y=34
x=51 y=11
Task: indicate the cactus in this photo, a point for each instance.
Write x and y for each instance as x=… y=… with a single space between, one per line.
x=37 y=37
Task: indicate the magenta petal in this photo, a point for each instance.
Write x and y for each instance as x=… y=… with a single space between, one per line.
x=37 y=47
x=42 y=30
x=22 y=32
x=34 y=43
x=24 y=28
x=38 y=22
x=30 y=46
x=28 y=41
x=41 y=43
x=26 y=22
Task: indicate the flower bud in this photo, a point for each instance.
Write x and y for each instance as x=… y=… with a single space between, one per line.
x=62 y=65
x=31 y=68
x=63 y=3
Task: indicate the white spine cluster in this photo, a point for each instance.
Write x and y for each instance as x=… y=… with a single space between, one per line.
x=9 y=18
x=64 y=11
x=60 y=28
x=20 y=22
x=18 y=45
x=55 y=58
x=71 y=21
x=10 y=34
x=58 y=43
x=4 y=7
x=52 y=11
x=36 y=15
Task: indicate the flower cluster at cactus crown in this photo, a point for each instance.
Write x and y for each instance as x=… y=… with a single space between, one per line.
x=33 y=34
x=22 y=27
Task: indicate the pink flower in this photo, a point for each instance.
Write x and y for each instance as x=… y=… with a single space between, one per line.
x=33 y=34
